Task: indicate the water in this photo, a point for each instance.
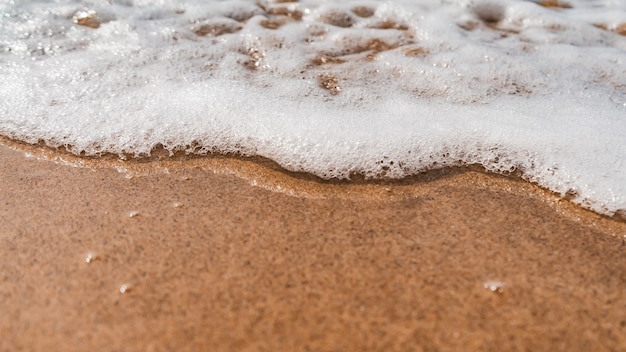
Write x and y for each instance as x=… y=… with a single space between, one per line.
x=383 y=89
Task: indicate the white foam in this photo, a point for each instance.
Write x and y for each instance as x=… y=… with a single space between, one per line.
x=417 y=85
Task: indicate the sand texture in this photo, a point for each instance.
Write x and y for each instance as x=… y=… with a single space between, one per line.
x=227 y=254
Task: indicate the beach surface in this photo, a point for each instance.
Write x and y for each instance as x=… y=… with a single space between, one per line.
x=233 y=254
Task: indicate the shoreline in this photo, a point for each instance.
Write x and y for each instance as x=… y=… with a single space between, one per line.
x=268 y=174
x=232 y=254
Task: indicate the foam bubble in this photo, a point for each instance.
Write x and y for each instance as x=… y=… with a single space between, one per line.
x=383 y=89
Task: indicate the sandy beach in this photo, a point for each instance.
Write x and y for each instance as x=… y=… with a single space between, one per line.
x=231 y=254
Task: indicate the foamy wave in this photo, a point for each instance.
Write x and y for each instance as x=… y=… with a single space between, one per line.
x=384 y=89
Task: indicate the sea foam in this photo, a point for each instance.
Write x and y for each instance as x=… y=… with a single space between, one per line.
x=382 y=89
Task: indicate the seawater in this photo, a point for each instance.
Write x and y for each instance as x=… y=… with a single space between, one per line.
x=378 y=88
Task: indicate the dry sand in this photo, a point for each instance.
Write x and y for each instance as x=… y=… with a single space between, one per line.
x=227 y=254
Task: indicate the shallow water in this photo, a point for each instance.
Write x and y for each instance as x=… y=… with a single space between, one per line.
x=383 y=89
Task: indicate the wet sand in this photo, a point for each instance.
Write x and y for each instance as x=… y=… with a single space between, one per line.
x=227 y=254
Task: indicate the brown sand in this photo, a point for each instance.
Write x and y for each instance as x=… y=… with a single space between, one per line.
x=225 y=254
